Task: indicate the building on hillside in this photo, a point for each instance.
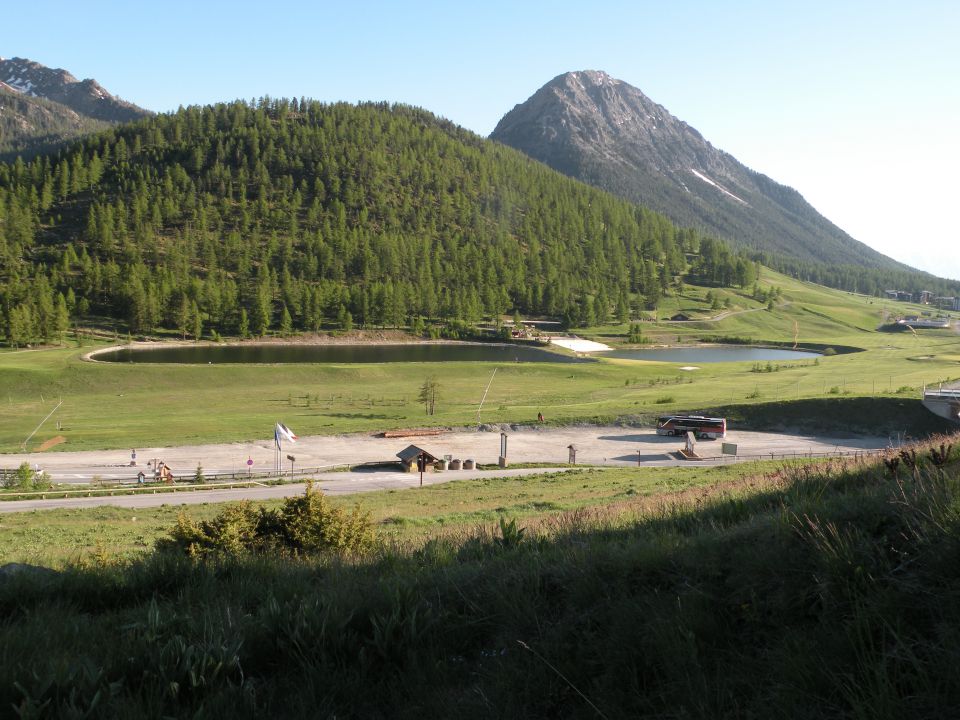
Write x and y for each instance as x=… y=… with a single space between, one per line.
x=924 y=297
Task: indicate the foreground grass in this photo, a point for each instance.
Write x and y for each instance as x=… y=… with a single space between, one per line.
x=58 y=538
x=819 y=591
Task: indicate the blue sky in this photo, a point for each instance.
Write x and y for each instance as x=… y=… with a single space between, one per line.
x=855 y=104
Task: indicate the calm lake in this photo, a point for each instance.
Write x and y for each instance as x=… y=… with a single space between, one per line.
x=215 y=354
x=712 y=354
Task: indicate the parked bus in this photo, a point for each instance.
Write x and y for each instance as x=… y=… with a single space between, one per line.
x=700 y=426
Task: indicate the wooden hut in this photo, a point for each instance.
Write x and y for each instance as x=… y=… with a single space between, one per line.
x=409 y=455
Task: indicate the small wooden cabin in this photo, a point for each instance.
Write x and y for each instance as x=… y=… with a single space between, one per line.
x=408 y=458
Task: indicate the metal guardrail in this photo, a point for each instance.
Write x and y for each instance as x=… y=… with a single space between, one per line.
x=239 y=476
x=221 y=481
x=243 y=475
x=151 y=489
x=941 y=394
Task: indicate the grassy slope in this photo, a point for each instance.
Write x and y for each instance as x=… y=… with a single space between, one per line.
x=826 y=591
x=58 y=537
x=139 y=406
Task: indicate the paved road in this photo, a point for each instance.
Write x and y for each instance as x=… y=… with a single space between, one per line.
x=342 y=483
x=609 y=446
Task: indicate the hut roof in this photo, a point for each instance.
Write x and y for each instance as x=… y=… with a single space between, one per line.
x=411 y=452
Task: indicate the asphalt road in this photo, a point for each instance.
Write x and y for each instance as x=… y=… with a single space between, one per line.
x=341 y=483
x=609 y=446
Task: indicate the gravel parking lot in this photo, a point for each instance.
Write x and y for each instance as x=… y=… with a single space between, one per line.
x=603 y=445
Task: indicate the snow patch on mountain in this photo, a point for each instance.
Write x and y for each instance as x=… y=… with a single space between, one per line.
x=719 y=187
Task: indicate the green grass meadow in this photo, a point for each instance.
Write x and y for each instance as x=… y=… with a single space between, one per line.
x=115 y=405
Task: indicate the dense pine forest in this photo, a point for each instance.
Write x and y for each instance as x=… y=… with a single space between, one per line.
x=278 y=215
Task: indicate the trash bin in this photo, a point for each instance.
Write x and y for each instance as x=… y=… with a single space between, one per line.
x=469 y=465
x=455 y=464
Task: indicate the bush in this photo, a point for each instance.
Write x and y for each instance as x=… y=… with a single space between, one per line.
x=309 y=524
x=306 y=524
x=25 y=478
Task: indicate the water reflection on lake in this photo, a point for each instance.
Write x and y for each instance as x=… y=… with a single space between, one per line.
x=339 y=354
x=712 y=354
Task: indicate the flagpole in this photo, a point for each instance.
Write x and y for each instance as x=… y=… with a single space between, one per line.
x=281 y=431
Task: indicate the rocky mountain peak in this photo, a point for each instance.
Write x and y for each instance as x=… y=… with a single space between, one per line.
x=86 y=97
x=41 y=108
x=607 y=133
x=32 y=78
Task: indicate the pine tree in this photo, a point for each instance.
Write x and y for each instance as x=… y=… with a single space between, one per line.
x=61 y=317
x=429 y=392
x=197 y=321
x=261 y=316
x=243 y=329
x=286 y=323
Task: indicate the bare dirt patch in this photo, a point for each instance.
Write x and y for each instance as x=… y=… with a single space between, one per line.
x=51 y=442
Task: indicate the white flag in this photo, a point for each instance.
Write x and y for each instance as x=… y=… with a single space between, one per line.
x=282 y=432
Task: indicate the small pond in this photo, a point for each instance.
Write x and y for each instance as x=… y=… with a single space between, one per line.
x=712 y=354
x=277 y=353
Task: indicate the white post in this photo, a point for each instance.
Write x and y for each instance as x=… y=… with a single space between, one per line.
x=480 y=407
x=24 y=445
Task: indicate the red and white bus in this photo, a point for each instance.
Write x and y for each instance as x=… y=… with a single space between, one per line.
x=700 y=426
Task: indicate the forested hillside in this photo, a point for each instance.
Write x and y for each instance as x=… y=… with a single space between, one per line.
x=241 y=219
x=287 y=215
x=30 y=125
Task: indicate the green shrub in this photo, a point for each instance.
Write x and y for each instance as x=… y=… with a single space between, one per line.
x=309 y=524
x=25 y=478
x=306 y=524
x=232 y=531
x=41 y=481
